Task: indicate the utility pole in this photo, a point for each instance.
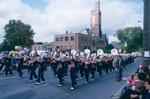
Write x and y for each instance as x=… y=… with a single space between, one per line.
x=146 y=35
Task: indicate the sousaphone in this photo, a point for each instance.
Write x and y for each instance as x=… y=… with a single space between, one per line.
x=100 y=52
x=73 y=52
x=114 y=52
x=87 y=51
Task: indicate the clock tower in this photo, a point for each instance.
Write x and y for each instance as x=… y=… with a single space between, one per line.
x=96 y=21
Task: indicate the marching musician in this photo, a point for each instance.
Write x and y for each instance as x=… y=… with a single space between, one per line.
x=93 y=68
x=87 y=68
x=76 y=62
x=7 y=64
x=54 y=65
x=65 y=66
x=20 y=65
x=42 y=68
x=33 y=63
x=81 y=67
x=118 y=67
x=60 y=73
x=73 y=74
x=105 y=64
x=99 y=66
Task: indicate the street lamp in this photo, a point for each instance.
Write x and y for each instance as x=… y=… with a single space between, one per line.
x=146 y=35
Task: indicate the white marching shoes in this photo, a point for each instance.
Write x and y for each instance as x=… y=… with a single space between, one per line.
x=72 y=88
x=59 y=85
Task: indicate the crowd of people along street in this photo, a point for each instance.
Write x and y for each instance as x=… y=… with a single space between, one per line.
x=77 y=67
x=138 y=85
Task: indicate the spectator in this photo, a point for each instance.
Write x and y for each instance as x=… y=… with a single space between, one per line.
x=147 y=85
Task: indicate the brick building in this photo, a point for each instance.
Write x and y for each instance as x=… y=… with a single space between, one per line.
x=78 y=41
x=93 y=40
x=43 y=46
x=37 y=47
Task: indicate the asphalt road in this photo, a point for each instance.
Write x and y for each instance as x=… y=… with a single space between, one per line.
x=13 y=88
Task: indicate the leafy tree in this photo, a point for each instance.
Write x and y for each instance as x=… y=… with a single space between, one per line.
x=0 y=47
x=17 y=34
x=131 y=38
x=117 y=44
x=108 y=48
x=38 y=43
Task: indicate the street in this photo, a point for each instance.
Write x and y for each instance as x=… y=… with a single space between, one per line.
x=103 y=88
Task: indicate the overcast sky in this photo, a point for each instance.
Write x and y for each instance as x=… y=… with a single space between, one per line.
x=50 y=17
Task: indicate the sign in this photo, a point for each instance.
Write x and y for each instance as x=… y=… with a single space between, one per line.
x=146 y=53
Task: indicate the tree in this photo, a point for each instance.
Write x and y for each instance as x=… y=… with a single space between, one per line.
x=108 y=48
x=117 y=44
x=17 y=34
x=38 y=43
x=131 y=38
x=0 y=48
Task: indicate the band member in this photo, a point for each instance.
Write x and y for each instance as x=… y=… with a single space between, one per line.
x=66 y=62
x=99 y=66
x=87 y=69
x=54 y=65
x=14 y=62
x=105 y=64
x=60 y=73
x=20 y=65
x=76 y=62
x=27 y=63
x=118 y=68
x=41 y=70
x=2 y=66
x=93 y=69
x=110 y=64
x=32 y=66
x=7 y=63
x=81 y=68
x=73 y=75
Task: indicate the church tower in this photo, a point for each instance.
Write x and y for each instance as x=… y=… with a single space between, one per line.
x=96 y=21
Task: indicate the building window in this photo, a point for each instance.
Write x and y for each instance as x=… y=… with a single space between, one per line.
x=72 y=38
x=100 y=42
x=72 y=46
x=66 y=46
x=90 y=39
x=84 y=39
x=61 y=47
x=94 y=43
x=66 y=38
x=57 y=39
x=61 y=38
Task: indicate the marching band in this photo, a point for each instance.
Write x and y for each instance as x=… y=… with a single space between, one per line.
x=78 y=65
